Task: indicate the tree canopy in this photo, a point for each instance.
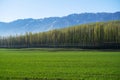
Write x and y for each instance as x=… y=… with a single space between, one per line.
x=93 y=35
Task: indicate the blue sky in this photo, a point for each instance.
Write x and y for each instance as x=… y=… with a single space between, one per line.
x=19 y=9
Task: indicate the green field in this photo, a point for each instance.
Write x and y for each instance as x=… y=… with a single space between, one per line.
x=35 y=64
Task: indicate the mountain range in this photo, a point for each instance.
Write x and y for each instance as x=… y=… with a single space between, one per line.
x=22 y=26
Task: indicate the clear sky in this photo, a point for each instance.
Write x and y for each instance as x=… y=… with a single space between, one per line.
x=19 y=9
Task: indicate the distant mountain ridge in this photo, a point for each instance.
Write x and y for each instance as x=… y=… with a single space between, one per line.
x=22 y=26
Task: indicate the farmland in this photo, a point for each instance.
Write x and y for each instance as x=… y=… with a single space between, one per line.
x=36 y=64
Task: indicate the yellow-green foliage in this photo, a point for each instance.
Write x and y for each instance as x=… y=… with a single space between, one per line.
x=94 y=34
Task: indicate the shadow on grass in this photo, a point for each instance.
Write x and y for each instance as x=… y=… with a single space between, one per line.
x=59 y=49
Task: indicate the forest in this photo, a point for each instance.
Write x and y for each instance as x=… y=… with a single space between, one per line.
x=92 y=35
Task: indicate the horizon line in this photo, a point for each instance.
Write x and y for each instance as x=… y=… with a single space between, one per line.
x=54 y=16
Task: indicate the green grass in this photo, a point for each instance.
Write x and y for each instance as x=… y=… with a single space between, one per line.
x=30 y=64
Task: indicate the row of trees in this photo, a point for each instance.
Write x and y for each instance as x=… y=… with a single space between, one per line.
x=95 y=35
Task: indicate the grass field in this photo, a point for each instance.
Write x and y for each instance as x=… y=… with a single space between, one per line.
x=30 y=64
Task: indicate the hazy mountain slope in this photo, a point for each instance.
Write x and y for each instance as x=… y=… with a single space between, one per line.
x=39 y=25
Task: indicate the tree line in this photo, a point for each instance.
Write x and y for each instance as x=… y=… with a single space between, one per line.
x=93 y=35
